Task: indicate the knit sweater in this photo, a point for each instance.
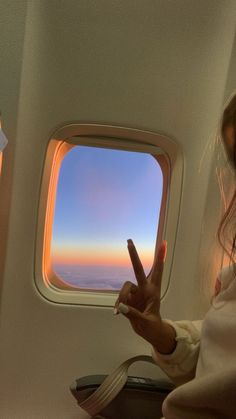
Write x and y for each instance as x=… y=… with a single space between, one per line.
x=203 y=365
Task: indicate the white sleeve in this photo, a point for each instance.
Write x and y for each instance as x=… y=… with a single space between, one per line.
x=181 y=364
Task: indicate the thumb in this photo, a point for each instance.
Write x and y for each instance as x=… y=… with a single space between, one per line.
x=130 y=312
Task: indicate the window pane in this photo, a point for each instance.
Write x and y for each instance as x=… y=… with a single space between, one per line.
x=104 y=197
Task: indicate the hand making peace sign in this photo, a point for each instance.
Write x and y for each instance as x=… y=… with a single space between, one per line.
x=141 y=303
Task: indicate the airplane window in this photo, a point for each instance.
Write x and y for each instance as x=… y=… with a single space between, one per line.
x=102 y=185
x=103 y=198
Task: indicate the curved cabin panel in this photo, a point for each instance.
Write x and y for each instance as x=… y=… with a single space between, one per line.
x=163 y=68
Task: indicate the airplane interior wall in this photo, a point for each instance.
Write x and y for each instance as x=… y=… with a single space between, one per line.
x=161 y=66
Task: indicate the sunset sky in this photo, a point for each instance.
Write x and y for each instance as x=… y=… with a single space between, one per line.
x=103 y=198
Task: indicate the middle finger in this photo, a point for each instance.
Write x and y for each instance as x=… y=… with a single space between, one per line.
x=158 y=265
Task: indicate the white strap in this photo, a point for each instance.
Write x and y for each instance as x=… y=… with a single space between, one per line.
x=111 y=386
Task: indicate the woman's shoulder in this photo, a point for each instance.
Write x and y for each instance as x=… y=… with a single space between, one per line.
x=227 y=275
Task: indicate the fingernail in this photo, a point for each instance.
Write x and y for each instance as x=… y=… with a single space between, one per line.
x=115 y=311
x=123 y=308
x=129 y=241
x=163 y=251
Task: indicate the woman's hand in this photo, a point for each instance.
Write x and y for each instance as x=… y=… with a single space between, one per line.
x=141 y=303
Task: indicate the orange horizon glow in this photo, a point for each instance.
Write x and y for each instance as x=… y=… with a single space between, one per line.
x=98 y=257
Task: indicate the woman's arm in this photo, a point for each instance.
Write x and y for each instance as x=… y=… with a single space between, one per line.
x=176 y=344
x=180 y=365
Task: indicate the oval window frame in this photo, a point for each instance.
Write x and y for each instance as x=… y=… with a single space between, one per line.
x=169 y=157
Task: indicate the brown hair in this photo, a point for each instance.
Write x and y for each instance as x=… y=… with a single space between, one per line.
x=227 y=228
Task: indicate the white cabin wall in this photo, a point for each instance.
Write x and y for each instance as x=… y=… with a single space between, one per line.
x=155 y=65
x=12 y=30
x=231 y=79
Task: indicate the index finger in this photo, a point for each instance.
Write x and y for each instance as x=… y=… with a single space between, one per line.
x=136 y=262
x=158 y=265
